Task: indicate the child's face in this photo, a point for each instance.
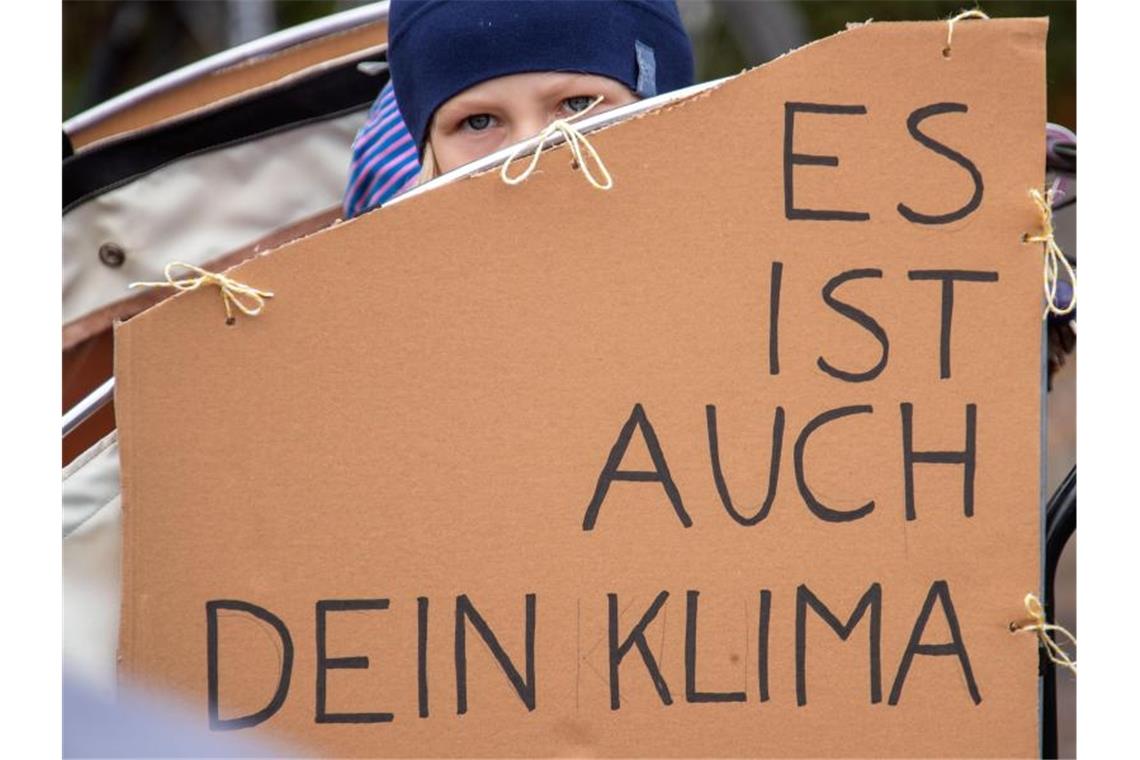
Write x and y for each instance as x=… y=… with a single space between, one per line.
x=503 y=111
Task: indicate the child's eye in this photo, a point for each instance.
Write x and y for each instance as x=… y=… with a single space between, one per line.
x=577 y=103
x=478 y=122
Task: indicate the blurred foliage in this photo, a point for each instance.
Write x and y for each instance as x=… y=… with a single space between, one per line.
x=110 y=46
x=1061 y=48
x=299 y=11
x=717 y=51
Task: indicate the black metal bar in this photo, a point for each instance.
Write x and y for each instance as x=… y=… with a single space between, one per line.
x=327 y=93
x=1060 y=525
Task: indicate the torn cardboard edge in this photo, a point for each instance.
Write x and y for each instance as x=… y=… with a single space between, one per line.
x=650 y=106
x=638 y=110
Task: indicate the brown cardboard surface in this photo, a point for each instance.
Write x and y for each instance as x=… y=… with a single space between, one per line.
x=429 y=417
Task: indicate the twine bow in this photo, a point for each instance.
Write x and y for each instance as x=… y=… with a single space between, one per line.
x=575 y=139
x=1055 y=260
x=233 y=292
x=1037 y=624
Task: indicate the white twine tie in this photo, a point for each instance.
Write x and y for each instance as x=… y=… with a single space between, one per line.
x=233 y=292
x=580 y=148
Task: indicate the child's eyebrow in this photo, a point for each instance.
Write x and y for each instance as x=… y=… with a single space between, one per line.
x=570 y=81
x=464 y=105
x=568 y=84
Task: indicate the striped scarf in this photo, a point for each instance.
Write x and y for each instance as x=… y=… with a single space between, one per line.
x=384 y=158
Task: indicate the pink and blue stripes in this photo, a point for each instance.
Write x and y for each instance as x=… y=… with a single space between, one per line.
x=384 y=157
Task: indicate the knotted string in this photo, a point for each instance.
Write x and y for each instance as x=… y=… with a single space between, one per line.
x=232 y=291
x=575 y=139
x=1037 y=624
x=1054 y=259
x=973 y=13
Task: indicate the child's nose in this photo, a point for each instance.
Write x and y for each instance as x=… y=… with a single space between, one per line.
x=529 y=127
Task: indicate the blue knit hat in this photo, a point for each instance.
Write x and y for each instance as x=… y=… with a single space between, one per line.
x=439 y=48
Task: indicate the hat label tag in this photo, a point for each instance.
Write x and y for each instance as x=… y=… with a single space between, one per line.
x=646 y=69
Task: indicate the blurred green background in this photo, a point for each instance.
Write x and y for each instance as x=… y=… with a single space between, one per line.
x=110 y=46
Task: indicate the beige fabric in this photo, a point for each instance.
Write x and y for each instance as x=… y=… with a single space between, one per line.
x=92 y=541
x=203 y=207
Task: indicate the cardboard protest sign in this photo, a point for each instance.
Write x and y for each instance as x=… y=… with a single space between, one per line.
x=741 y=457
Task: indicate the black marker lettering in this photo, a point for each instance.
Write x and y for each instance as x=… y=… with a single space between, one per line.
x=940 y=592
x=636 y=637
x=421 y=653
x=912 y=123
x=948 y=277
x=773 y=469
x=791 y=159
x=967 y=458
x=465 y=611
x=691 y=693
x=862 y=319
x=762 y=643
x=818 y=508
x=774 y=318
x=873 y=600
x=245 y=721
x=659 y=473
x=325 y=663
